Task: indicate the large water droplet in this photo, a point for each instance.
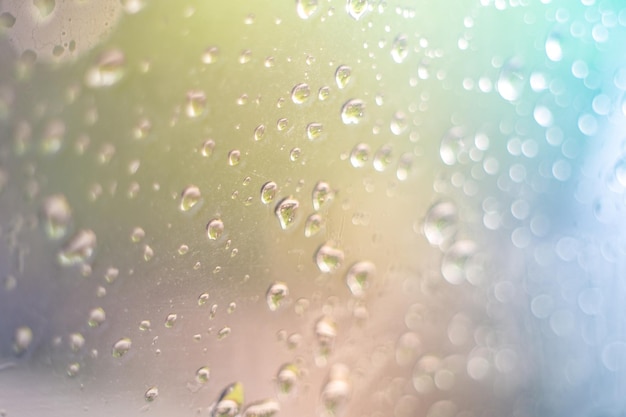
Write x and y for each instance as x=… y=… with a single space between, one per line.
x=57 y=214
x=263 y=408
x=300 y=93
x=151 y=394
x=314 y=131
x=328 y=258
x=325 y=332
x=79 y=249
x=336 y=392
x=352 y=111
x=360 y=155
x=108 y=70
x=189 y=197
x=229 y=402
x=214 y=229
x=511 y=80
x=400 y=49
x=286 y=378
x=286 y=211
x=306 y=8
x=259 y=132
x=170 y=320
x=275 y=295
x=382 y=158
x=359 y=277
x=357 y=8
x=268 y=192
x=440 y=224
x=195 y=105
x=97 y=316
x=322 y=195
x=121 y=347
x=314 y=223
x=343 y=73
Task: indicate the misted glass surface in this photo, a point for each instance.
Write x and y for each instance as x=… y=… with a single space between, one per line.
x=315 y=207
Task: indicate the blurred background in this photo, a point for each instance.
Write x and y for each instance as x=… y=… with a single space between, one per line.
x=313 y=207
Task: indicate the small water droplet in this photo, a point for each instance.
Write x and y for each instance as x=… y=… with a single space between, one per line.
x=323 y=93
x=145 y=325
x=76 y=342
x=97 y=316
x=314 y=224
x=79 y=249
x=328 y=258
x=189 y=197
x=306 y=8
x=399 y=123
x=170 y=320
x=207 y=148
x=195 y=105
x=223 y=332
x=457 y=261
x=73 y=369
x=295 y=154
x=286 y=378
x=360 y=155
x=314 y=131
x=121 y=347
x=234 y=157
x=343 y=73
x=259 y=132
x=440 y=224
x=357 y=8
x=203 y=374
x=151 y=394
x=282 y=124
x=108 y=70
x=22 y=339
x=400 y=48
x=57 y=214
x=322 y=195
x=286 y=211
x=275 y=295
x=214 y=229
x=382 y=158
x=352 y=111
x=148 y=253
x=359 y=276
x=300 y=93
x=137 y=235
x=210 y=54
x=268 y=192
x=325 y=333
x=511 y=80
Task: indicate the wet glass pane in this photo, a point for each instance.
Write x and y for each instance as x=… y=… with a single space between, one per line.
x=312 y=207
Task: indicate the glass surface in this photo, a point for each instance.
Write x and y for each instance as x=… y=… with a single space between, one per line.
x=313 y=207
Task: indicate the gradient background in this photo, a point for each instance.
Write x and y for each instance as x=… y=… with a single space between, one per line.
x=509 y=112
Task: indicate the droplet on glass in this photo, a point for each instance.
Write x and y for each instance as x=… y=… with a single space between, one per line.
x=343 y=73
x=170 y=320
x=300 y=93
x=210 y=54
x=314 y=131
x=262 y=408
x=322 y=195
x=306 y=8
x=314 y=224
x=203 y=374
x=275 y=295
x=440 y=224
x=207 y=148
x=97 y=316
x=189 y=197
x=195 y=105
x=357 y=8
x=214 y=229
x=511 y=80
x=121 y=347
x=286 y=211
x=400 y=48
x=57 y=214
x=353 y=111
x=328 y=258
x=79 y=249
x=287 y=377
x=229 y=402
x=359 y=277
x=108 y=70
x=360 y=155
x=268 y=192
x=22 y=339
x=151 y=394
x=259 y=132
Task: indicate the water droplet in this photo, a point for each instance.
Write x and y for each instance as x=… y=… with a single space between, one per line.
x=22 y=339
x=457 y=261
x=511 y=80
x=170 y=320
x=259 y=132
x=207 y=148
x=76 y=341
x=223 y=332
x=268 y=192
x=336 y=391
x=275 y=295
x=229 y=402
x=399 y=123
x=189 y=197
x=359 y=277
x=121 y=347
x=314 y=223
x=195 y=105
x=263 y=408
x=400 y=48
x=286 y=211
x=7 y=20
x=360 y=155
x=57 y=214
x=44 y=7
x=137 y=235
x=282 y=124
x=133 y=6
x=343 y=73
x=440 y=224
x=151 y=394
x=352 y=111
x=210 y=54
x=72 y=369
x=79 y=249
x=96 y=317
x=325 y=333
x=314 y=131
x=295 y=154
x=382 y=158
x=234 y=157
x=148 y=253
x=322 y=195
x=357 y=8
x=323 y=93
x=214 y=229
x=300 y=93
x=52 y=138
x=145 y=325
x=203 y=374
x=286 y=378
x=554 y=50
x=108 y=70
x=328 y=258
x=306 y=8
